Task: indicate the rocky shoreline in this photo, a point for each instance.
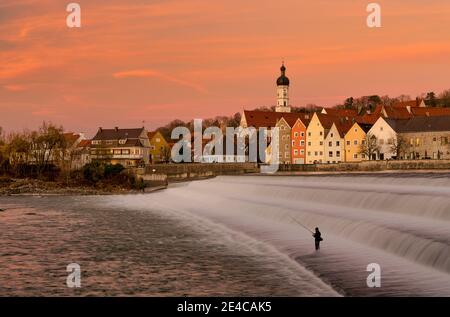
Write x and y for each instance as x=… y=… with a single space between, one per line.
x=25 y=187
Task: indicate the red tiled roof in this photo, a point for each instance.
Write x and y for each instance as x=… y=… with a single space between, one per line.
x=151 y=134
x=84 y=143
x=327 y=120
x=116 y=134
x=350 y=113
x=409 y=103
x=397 y=112
x=258 y=119
x=430 y=112
x=343 y=126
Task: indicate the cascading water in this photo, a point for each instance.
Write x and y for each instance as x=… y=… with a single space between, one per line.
x=236 y=235
x=399 y=222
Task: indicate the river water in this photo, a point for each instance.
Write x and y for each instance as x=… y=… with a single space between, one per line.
x=235 y=236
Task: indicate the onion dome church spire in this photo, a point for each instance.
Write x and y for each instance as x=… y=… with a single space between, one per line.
x=283 y=92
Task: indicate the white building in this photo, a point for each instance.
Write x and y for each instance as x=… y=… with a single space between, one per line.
x=386 y=137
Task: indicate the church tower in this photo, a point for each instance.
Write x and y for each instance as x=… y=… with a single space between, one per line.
x=283 y=92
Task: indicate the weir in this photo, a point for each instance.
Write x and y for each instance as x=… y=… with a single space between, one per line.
x=401 y=222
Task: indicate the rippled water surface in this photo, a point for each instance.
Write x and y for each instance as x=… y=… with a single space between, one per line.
x=235 y=236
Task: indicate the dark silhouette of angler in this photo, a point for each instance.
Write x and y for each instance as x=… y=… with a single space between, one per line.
x=317 y=238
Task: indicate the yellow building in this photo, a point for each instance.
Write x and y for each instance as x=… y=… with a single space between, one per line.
x=354 y=139
x=159 y=148
x=317 y=129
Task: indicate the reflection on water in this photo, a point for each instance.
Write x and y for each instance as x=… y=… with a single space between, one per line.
x=235 y=236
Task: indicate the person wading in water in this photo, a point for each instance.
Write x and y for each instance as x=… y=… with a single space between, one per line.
x=317 y=238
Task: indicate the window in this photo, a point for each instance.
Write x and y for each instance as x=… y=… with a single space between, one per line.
x=348 y=143
x=355 y=142
x=381 y=128
x=309 y=153
x=338 y=153
x=126 y=152
x=117 y=152
x=302 y=134
x=321 y=153
x=315 y=153
x=321 y=142
x=363 y=156
x=286 y=154
x=293 y=143
x=286 y=146
x=411 y=141
x=381 y=141
x=338 y=143
x=158 y=140
x=302 y=143
x=302 y=152
x=390 y=141
x=95 y=142
x=355 y=156
x=330 y=154
x=295 y=134
x=309 y=143
x=417 y=141
x=434 y=139
x=444 y=140
x=331 y=134
x=330 y=143
x=363 y=142
x=309 y=133
x=295 y=152
x=321 y=133
x=356 y=129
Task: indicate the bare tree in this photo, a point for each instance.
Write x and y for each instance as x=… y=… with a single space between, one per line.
x=47 y=144
x=165 y=154
x=399 y=146
x=370 y=146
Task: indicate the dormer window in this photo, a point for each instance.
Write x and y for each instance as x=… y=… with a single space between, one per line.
x=122 y=141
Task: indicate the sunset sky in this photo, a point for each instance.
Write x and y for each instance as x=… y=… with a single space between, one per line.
x=158 y=60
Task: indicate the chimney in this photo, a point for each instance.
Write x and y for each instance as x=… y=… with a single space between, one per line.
x=117 y=129
x=417 y=101
x=100 y=129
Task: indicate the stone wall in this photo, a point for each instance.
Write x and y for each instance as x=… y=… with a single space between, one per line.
x=368 y=166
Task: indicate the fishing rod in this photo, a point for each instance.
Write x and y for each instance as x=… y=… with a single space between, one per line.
x=301 y=224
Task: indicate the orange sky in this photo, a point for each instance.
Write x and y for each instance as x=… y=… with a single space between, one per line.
x=158 y=60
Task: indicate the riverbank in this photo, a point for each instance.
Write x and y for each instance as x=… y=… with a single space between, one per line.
x=12 y=186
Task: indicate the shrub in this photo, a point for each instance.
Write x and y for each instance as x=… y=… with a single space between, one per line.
x=112 y=170
x=93 y=172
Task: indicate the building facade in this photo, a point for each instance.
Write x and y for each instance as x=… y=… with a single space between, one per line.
x=159 y=148
x=334 y=146
x=354 y=139
x=128 y=147
x=386 y=138
x=284 y=149
x=298 y=139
